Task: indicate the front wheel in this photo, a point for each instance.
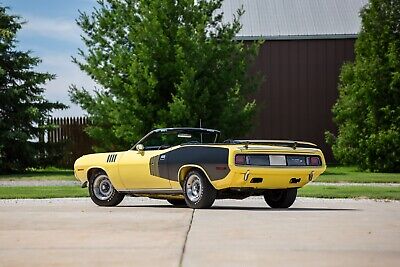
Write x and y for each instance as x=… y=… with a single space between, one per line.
x=102 y=192
x=280 y=198
x=198 y=191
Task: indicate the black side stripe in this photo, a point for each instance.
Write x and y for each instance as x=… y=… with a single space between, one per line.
x=214 y=160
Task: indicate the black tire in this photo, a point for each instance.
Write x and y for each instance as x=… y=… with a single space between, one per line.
x=198 y=191
x=177 y=202
x=108 y=196
x=280 y=198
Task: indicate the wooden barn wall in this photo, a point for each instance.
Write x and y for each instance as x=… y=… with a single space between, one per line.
x=300 y=88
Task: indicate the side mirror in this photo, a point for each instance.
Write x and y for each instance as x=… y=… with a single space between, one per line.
x=140 y=147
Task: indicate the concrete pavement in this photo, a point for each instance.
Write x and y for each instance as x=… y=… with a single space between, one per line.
x=143 y=232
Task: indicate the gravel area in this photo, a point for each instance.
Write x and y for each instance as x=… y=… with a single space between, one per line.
x=39 y=183
x=75 y=183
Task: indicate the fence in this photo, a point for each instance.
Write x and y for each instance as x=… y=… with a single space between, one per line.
x=70 y=135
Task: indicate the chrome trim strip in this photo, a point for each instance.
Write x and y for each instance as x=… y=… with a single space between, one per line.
x=280 y=167
x=195 y=166
x=246 y=175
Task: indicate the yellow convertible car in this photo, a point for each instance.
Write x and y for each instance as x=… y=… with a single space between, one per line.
x=188 y=167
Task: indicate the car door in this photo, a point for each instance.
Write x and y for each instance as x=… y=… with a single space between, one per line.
x=134 y=170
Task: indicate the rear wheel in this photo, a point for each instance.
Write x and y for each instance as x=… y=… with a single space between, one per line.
x=102 y=192
x=280 y=198
x=198 y=191
x=177 y=202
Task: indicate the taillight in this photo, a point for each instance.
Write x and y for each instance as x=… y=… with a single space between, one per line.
x=313 y=161
x=240 y=159
x=293 y=160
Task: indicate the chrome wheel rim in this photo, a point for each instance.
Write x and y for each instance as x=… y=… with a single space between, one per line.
x=193 y=188
x=102 y=187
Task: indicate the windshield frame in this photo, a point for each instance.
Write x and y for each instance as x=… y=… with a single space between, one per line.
x=178 y=130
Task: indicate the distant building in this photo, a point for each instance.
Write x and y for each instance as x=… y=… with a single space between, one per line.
x=306 y=43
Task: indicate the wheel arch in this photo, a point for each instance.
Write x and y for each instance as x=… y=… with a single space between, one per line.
x=94 y=170
x=185 y=169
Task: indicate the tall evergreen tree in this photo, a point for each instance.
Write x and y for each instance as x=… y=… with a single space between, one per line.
x=23 y=108
x=368 y=108
x=163 y=63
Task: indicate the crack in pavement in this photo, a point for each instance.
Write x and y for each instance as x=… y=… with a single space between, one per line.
x=186 y=238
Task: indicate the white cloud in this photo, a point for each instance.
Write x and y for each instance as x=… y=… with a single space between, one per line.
x=55 y=28
x=67 y=73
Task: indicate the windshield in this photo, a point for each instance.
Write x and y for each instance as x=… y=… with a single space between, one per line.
x=165 y=139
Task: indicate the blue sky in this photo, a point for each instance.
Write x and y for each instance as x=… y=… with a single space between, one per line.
x=52 y=34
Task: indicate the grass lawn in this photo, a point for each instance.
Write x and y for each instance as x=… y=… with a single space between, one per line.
x=308 y=191
x=352 y=175
x=41 y=174
x=42 y=192
x=333 y=191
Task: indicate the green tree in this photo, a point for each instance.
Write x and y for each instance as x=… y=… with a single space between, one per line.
x=368 y=108
x=163 y=63
x=23 y=108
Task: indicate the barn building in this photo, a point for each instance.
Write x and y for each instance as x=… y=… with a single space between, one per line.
x=305 y=44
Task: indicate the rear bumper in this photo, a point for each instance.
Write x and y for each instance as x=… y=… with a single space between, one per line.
x=274 y=177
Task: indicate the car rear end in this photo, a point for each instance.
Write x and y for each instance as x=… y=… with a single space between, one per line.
x=286 y=165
